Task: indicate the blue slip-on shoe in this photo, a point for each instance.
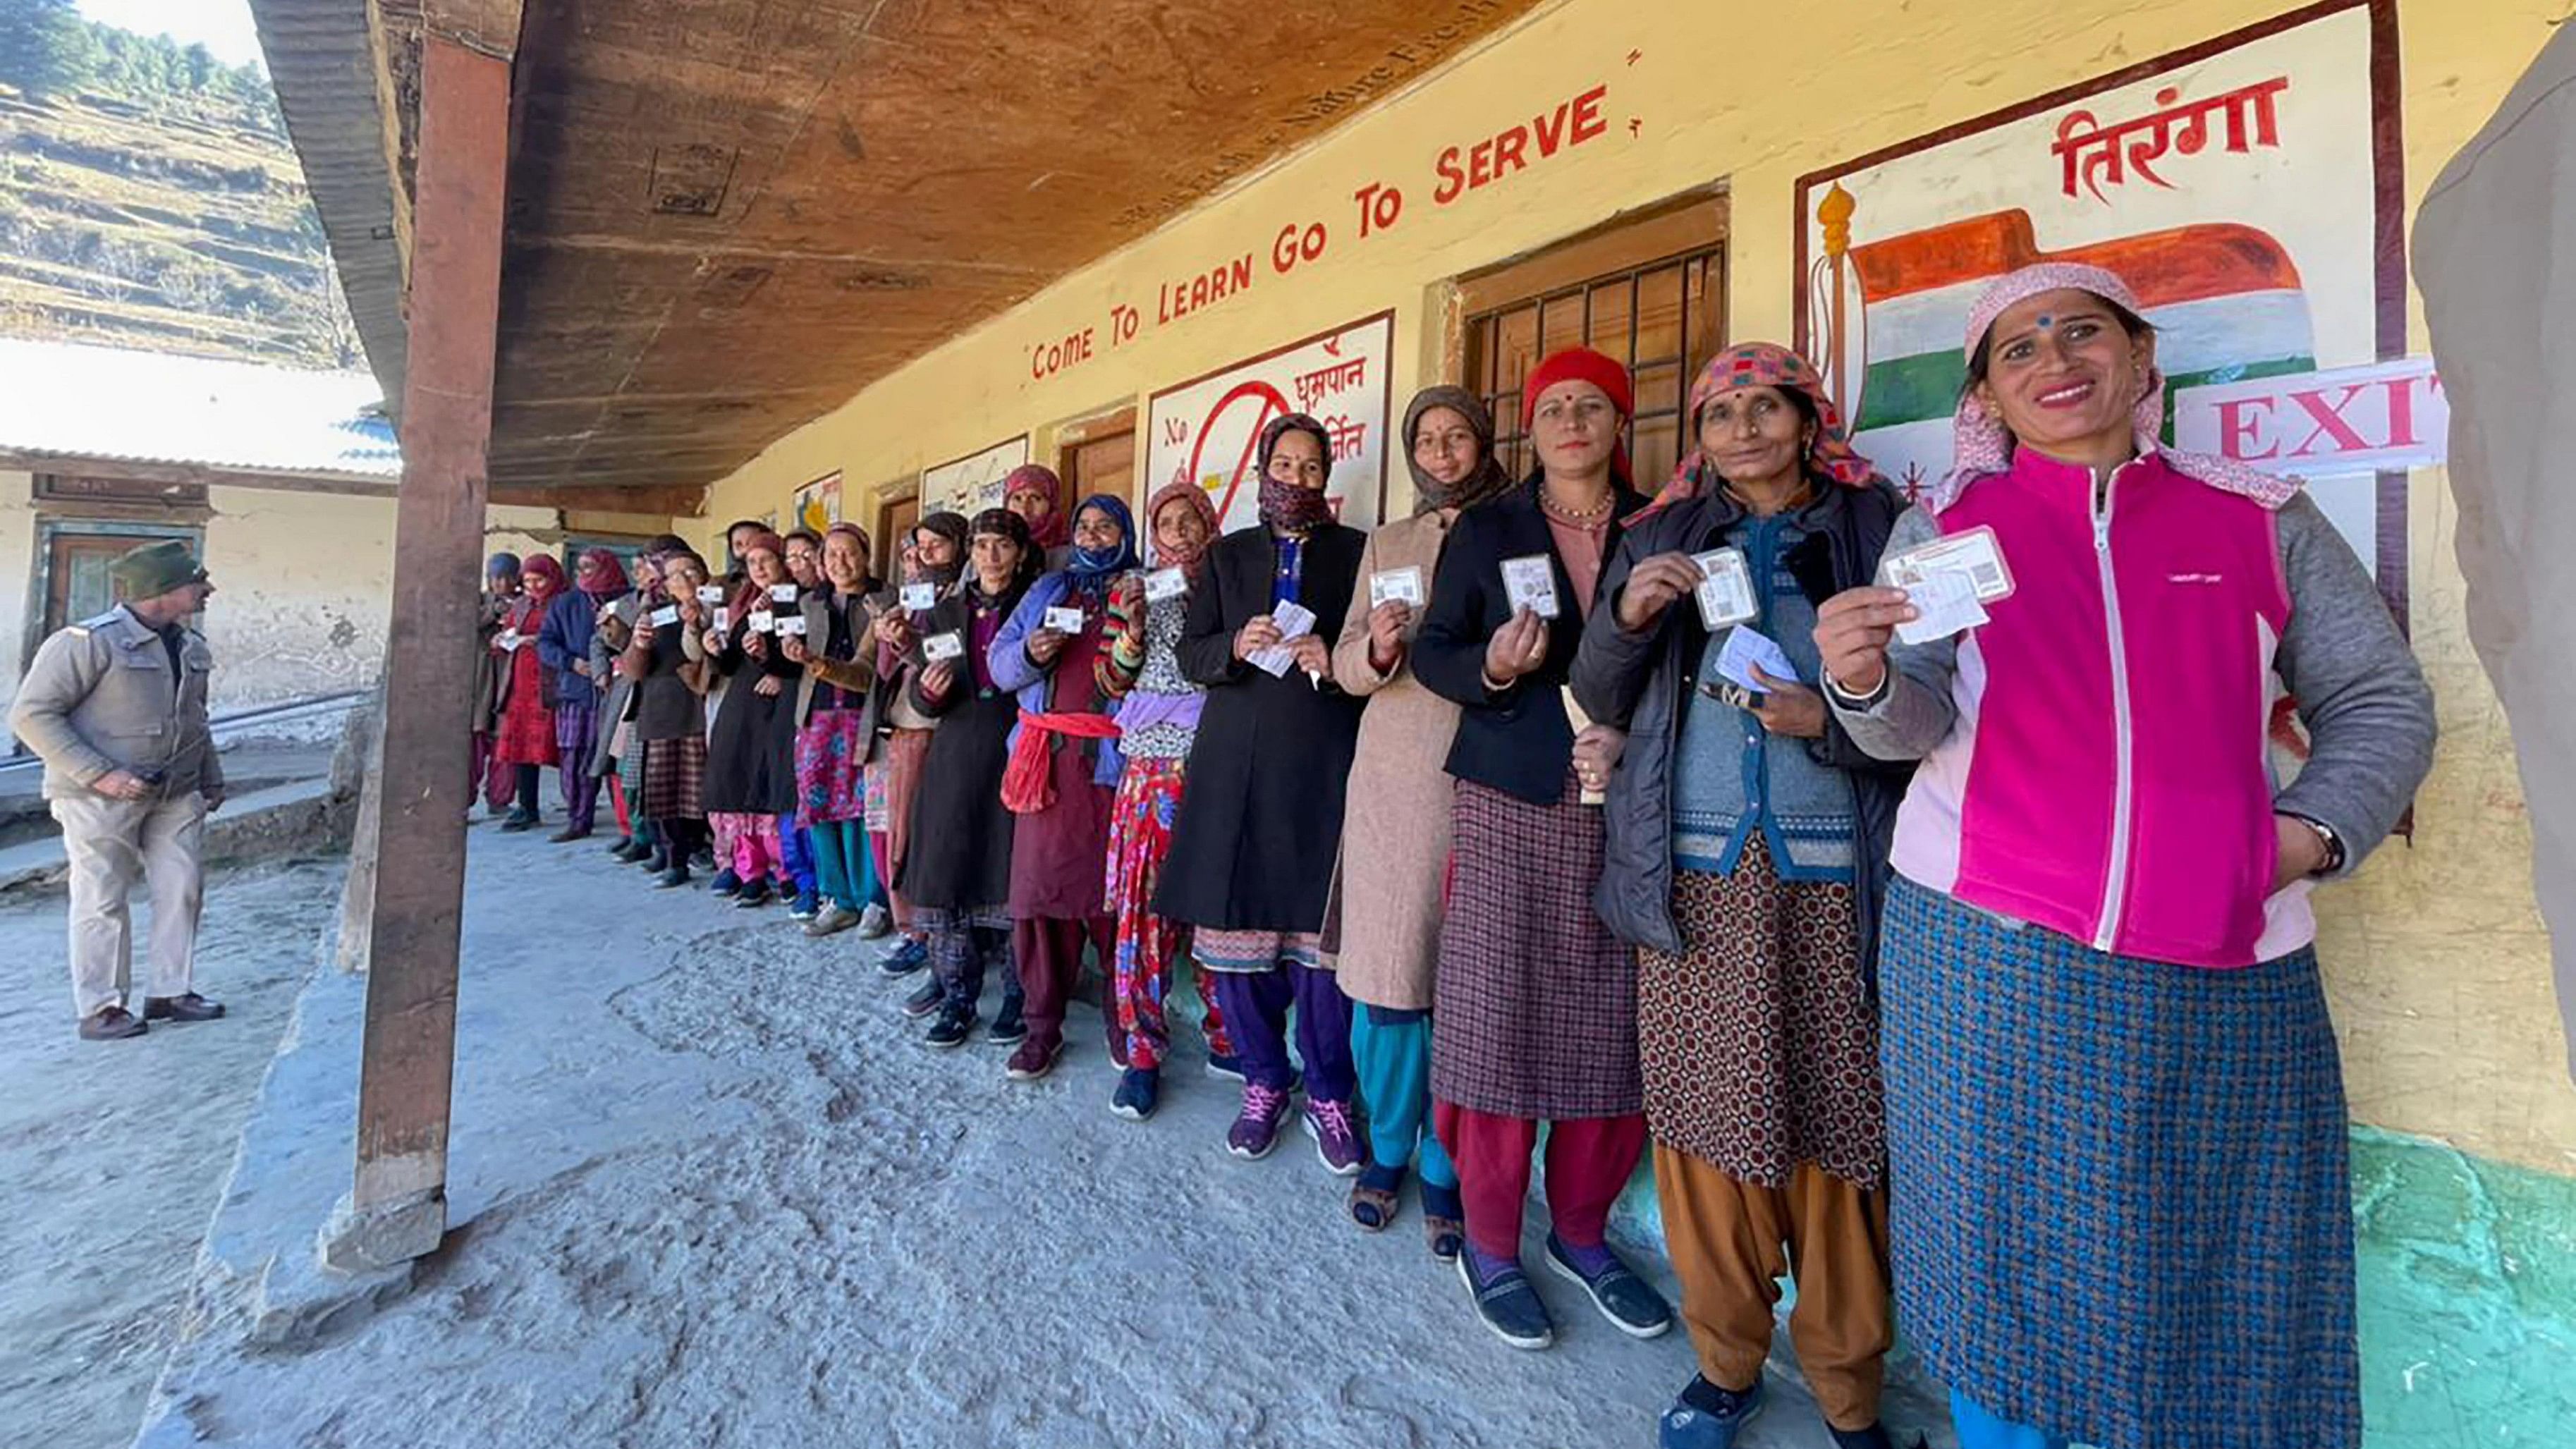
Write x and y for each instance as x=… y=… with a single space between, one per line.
x=1708 y=1417
x=1139 y=1089
x=725 y=883
x=1630 y=1303
x=808 y=905
x=1506 y=1302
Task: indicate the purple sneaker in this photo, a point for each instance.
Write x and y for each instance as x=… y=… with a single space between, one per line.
x=1337 y=1137
x=1256 y=1129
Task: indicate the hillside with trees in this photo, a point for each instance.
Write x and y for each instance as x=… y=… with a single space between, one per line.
x=149 y=199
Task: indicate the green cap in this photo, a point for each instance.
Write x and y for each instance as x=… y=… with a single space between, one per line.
x=155 y=569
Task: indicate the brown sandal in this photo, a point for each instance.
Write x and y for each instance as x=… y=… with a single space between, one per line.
x=1446 y=1236
x=1372 y=1207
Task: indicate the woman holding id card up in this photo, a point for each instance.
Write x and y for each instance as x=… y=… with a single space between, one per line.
x=1534 y=1002
x=2115 y=1117
x=1062 y=776
x=1395 y=835
x=1747 y=856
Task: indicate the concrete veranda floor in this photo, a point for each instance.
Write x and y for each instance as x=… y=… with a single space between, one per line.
x=708 y=1190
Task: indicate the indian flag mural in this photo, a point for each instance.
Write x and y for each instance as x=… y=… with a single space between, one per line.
x=2237 y=187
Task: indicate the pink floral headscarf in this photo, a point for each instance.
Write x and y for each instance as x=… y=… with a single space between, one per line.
x=1984 y=445
x=1766 y=364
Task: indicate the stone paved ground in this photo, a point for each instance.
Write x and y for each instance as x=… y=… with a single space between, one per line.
x=113 y=1153
x=709 y=1191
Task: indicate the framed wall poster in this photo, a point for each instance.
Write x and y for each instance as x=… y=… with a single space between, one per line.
x=1209 y=428
x=974 y=482
x=2250 y=189
x=818 y=504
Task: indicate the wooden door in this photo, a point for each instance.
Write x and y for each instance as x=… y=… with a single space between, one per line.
x=1101 y=465
x=895 y=519
x=76 y=582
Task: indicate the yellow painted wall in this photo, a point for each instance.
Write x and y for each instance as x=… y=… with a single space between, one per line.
x=2437 y=962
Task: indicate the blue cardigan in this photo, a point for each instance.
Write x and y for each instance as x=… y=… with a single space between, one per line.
x=1009 y=666
x=563 y=637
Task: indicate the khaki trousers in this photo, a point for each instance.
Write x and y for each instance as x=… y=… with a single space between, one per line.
x=111 y=845
x=1731 y=1241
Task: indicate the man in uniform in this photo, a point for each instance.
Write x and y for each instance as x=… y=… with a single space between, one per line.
x=116 y=706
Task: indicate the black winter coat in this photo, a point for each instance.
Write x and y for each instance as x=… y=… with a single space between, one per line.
x=1642 y=682
x=1260 y=822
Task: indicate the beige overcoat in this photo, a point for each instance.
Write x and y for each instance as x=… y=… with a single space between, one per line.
x=1395 y=822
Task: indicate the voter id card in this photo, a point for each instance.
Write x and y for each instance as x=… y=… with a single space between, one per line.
x=920 y=598
x=940 y=647
x=782 y=593
x=1529 y=582
x=666 y=616
x=724 y=619
x=1949 y=581
x=711 y=593
x=758 y=621
x=1725 y=591
x=787 y=624
x=1404 y=584
x=1064 y=620
x=1168 y=583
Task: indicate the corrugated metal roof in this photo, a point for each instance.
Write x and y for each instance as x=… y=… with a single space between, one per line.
x=103 y=402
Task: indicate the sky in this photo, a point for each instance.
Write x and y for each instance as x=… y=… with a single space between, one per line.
x=224 y=25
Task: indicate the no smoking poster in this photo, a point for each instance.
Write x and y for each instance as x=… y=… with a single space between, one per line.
x=1209 y=429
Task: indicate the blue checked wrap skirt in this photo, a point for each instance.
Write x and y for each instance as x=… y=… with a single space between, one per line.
x=2120 y=1208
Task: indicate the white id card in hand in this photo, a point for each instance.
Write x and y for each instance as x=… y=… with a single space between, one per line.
x=787 y=624
x=782 y=593
x=1529 y=582
x=758 y=621
x=1725 y=593
x=1404 y=583
x=1949 y=581
x=1064 y=620
x=940 y=647
x=1168 y=583
x=666 y=616
x=711 y=593
x=920 y=598
x=724 y=619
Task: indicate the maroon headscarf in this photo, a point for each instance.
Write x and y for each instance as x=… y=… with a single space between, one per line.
x=1185 y=491
x=529 y=611
x=608 y=573
x=1040 y=479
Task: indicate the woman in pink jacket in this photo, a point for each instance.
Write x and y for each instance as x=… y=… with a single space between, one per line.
x=2115 y=1118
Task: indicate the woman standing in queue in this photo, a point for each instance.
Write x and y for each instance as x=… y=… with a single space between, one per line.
x=616 y=757
x=1036 y=494
x=1062 y=776
x=1254 y=841
x=837 y=708
x=523 y=734
x=564 y=645
x=2115 y=1114
x=670 y=725
x=1534 y=1008
x=936 y=562
x=751 y=781
x=1746 y=859
x=1158 y=715
x=1395 y=831
x=957 y=867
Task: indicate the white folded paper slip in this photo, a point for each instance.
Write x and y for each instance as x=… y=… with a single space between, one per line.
x=1294 y=620
x=1746 y=648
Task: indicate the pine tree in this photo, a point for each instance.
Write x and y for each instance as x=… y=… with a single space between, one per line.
x=46 y=49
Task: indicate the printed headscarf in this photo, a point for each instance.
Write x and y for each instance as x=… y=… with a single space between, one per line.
x=501 y=566
x=1090 y=571
x=1983 y=445
x=530 y=611
x=1040 y=479
x=954 y=529
x=1582 y=364
x=1488 y=481
x=608 y=570
x=1765 y=364
x=1289 y=507
x=1186 y=492
x=1015 y=528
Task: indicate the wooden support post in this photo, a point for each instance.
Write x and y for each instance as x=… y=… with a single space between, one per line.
x=397 y=1209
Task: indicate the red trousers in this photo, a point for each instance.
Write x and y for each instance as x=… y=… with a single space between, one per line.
x=1589 y=1160
x=1049 y=954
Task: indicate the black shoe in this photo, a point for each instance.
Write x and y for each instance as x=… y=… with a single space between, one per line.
x=629 y=850
x=111 y=1023
x=1008 y=1029
x=671 y=879
x=656 y=862
x=923 y=1002
x=752 y=897
x=188 y=1006
x=568 y=835
x=952 y=1028
x=518 y=822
